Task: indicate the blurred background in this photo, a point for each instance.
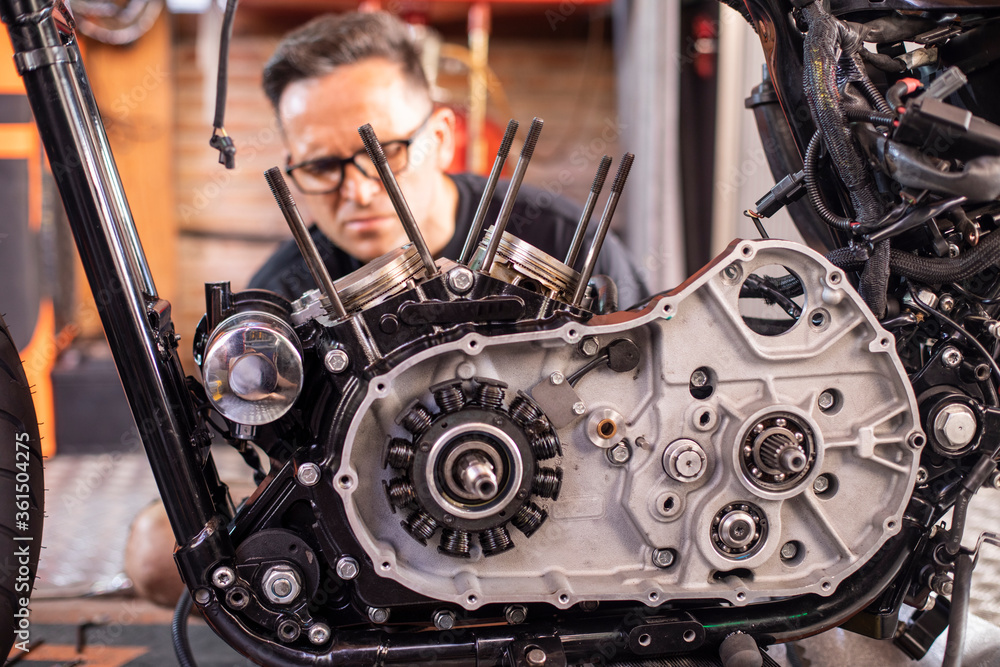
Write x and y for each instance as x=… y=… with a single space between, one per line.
x=665 y=80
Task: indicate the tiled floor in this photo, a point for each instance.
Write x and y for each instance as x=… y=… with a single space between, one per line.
x=92 y=499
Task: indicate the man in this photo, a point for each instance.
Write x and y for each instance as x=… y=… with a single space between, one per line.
x=339 y=72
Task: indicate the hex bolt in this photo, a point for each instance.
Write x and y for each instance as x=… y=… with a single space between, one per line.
x=921 y=475
x=589 y=346
x=347 y=568
x=336 y=361
x=319 y=633
x=663 y=558
x=951 y=357
x=699 y=378
x=942 y=584
x=557 y=378
x=826 y=400
x=308 y=474
x=281 y=584
x=444 y=619
x=515 y=614
x=789 y=550
x=535 y=657
x=821 y=484
x=579 y=408
x=460 y=280
x=955 y=426
x=223 y=577
x=619 y=454
x=202 y=596
x=378 y=614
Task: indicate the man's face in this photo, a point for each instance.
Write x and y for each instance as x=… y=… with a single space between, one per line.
x=320 y=118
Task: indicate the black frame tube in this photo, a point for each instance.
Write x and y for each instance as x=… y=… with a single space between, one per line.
x=136 y=322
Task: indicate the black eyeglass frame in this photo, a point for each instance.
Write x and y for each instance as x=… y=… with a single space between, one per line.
x=343 y=162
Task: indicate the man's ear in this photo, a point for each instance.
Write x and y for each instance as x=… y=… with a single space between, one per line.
x=444 y=134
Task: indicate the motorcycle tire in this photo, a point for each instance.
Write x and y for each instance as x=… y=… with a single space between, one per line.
x=21 y=497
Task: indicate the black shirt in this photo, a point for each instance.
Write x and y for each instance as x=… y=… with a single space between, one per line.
x=538 y=217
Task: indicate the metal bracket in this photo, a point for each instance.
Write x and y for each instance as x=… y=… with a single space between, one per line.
x=537 y=652
x=27 y=61
x=672 y=635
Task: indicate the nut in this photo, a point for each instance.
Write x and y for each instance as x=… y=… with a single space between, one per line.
x=308 y=474
x=336 y=361
x=281 y=584
x=663 y=558
x=223 y=577
x=460 y=279
x=347 y=568
x=319 y=633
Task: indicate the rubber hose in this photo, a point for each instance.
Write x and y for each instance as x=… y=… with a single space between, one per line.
x=823 y=46
x=959 y=515
x=179 y=631
x=868 y=116
x=812 y=188
x=958 y=619
x=882 y=61
x=875 y=279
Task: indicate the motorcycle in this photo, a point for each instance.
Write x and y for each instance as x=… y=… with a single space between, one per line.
x=485 y=462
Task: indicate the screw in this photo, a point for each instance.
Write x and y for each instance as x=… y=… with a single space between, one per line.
x=921 y=475
x=460 y=279
x=579 y=408
x=378 y=614
x=444 y=619
x=535 y=657
x=347 y=568
x=699 y=378
x=202 y=596
x=319 y=633
x=826 y=400
x=589 y=346
x=821 y=484
x=336 y=361
x=946 y=302
x=663 y=558
x=557 y=378
x=620 y=453
x=953 y=250
x=223 y=577
x=951 y=357
x=515 y=614
x=789 y=550
x=281 y=584
x=308 y=474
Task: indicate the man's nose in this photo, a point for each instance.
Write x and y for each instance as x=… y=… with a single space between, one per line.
x=357 y=187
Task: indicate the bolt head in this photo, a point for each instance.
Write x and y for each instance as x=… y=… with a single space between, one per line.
x=789 y=550
x=663 y=558
x=516 y=614
x=955 y=426
x=557 y=378
x=951 y=357
x=953 y=250
x=699 y=378
x=336 y=361
x=620 y=453
x=535 y=657
x=590 y=346
x=579 y=408
x=223 y=577
x=946 y=303
x=347 y=568
x=378 y=614
x=460 y=279
x=821 y=484
x=319 y=633
x=281 y=584
x=921 y=475
x=826 y=400
x=444 y=619
x=308 y=474
x=202 y=596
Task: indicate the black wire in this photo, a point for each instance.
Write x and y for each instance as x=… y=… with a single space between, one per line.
x=979 y=299
x=220 y=140
x=179 y=631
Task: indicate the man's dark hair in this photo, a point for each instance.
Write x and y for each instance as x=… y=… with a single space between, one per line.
x=331 y=40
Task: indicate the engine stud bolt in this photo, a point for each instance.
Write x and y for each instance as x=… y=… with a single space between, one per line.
x=515 y=614
x=347 y=568
x=319 y=634
x=378 y=615
x=663 y=558
x=336 y=361
x=308 y=474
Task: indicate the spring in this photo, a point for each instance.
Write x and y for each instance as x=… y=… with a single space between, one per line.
x=421 y=525
x=495 y=540
x=529 y=518
x=490 y=393
x=400 y=492
x=455 y=542
x=399 y=454
x=449 y=397
x=547 y=483
x=523 y=410
x=544 y=443
x=416 y=419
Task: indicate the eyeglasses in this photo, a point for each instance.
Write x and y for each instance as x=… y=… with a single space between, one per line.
x=324 y=175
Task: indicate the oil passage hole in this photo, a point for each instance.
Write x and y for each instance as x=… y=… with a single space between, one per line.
x=645 y=640
x=771 y=300
x=668 y=504
x=607 y=428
